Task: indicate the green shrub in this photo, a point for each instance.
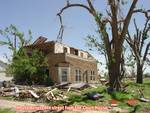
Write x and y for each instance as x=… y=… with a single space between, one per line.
x=48 y=81
x=30 y=69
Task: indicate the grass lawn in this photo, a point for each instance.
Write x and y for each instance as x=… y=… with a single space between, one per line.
x=6 y=110
x=121 y=97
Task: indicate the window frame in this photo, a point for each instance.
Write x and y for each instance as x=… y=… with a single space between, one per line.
x=77 y=75
x=64 y=75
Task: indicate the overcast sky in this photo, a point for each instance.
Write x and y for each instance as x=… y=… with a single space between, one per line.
x=40 y=17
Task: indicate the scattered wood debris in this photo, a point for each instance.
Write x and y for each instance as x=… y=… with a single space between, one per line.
x=79 y=86
x=33 y=94
x=142 y=97
x=61 y=85
x=42 y=93
x=7 y=84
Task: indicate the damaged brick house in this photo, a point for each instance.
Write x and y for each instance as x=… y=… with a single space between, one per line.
x=67 y=64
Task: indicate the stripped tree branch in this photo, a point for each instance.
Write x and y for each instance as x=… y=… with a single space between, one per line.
x=146 y=52
x=145 y=12
x=61 y=31
x=74 y=5
x=144 y=33
x=127 y=20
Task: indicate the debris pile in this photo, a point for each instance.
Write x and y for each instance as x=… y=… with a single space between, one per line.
x=40 y=93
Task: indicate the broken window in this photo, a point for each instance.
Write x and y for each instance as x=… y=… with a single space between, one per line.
x=71 y=50
x=81 y=54
x=65 y=50
x=76 y=52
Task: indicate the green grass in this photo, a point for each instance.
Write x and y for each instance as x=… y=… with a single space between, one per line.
x=76 y=98
x=7 y=98
x=133 y=90
x=6 y=110
x=121 y=96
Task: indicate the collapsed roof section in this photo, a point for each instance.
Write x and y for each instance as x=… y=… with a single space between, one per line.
x=48 y=47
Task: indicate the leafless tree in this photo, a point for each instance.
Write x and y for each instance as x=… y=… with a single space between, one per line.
x=113 y=42
x=140 y=44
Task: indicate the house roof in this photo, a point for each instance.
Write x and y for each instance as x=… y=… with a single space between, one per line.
x=42 y=45
x=46 y=46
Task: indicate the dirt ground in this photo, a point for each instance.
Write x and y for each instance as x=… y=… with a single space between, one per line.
x=13 y=104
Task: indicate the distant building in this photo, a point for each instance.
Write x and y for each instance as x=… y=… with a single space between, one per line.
x=67 y=64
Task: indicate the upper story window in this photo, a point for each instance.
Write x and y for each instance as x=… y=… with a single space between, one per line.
x=76 y=52
x=81 y=54
x=65 y=50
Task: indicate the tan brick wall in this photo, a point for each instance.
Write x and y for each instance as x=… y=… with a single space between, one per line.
x=53 y=60
x=74 y=63
x=83 y=65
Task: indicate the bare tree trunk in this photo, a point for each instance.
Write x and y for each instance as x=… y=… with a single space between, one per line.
x=139 y=78
x=111 y=75
x=118 y=67
x=114 y=75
